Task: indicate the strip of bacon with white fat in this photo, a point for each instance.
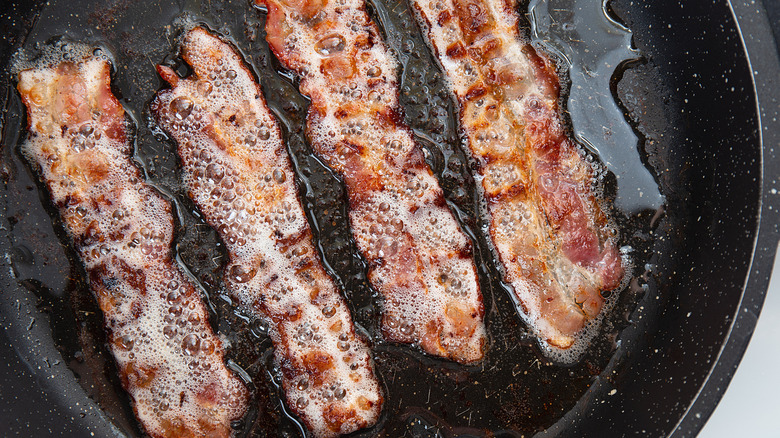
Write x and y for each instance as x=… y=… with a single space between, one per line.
x=238 y=172
x=170 y=361
x=557 y=247
x=419 y=259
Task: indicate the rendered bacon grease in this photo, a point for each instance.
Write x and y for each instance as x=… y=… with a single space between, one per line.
x=170 y=361
x=557 y=247
x=239 y=174
x=419 y=260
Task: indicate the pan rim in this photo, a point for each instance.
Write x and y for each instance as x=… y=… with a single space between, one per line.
x=761 y=51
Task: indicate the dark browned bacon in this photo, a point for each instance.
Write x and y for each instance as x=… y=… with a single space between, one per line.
x=419 y=259
x=170 y=361
x=238 y=173
x=557 y=246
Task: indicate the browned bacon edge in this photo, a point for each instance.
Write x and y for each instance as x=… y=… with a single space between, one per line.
x=557 y=246
x=238 y=172
x=419 y=259
x=170 y=361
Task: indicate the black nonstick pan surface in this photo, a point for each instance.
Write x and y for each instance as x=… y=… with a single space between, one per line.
x=703 y=99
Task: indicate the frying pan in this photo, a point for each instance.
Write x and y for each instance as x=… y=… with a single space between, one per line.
x=704 y=100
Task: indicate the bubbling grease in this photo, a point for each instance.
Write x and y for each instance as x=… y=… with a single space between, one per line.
x=170 y=360
x=398 y=214
x=237 y=171
x=556 y=246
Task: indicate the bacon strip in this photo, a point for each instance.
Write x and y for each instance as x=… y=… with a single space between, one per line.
x=170 y=361
x=419 y=259
x=238 y=172
x=557 y=247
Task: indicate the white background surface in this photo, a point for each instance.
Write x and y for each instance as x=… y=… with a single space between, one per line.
x=751 y=405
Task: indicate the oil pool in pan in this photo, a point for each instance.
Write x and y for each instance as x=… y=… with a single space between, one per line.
x=515 y=389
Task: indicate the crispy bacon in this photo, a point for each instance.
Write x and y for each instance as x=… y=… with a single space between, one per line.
x=419 y=259
x=238 y=172
x=556 y=244
x=170 y=361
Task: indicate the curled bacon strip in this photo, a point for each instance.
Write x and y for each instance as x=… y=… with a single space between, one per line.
x=419 y=259
x=170 y=361
x=557 y=247
x=239 y=174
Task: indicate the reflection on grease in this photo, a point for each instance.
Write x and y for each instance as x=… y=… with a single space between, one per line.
x=594 y=47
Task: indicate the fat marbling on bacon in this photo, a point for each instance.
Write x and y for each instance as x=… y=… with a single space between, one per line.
x=556 y=245
x=419 y=259
x=169 y=360
x=238 y=172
